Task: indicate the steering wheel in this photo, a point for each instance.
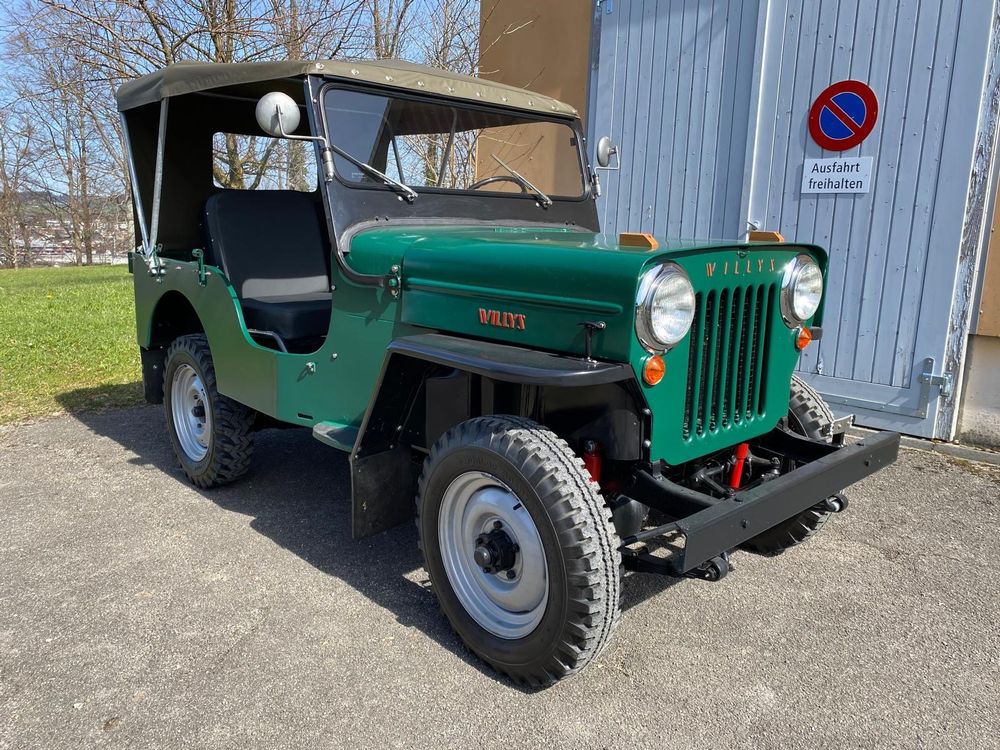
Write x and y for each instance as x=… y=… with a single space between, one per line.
x=496 y=178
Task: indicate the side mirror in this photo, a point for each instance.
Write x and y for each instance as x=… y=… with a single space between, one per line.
x=277 y=114
x=605 y=150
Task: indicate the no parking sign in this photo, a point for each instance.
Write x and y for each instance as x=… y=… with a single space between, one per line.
x=843 y=115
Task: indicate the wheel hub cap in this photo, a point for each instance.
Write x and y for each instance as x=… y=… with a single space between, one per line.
x=495 y=552
x=191 y=416
x=493 y=555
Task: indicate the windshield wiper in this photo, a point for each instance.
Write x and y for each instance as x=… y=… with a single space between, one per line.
x=545 y=200
x=405 y=190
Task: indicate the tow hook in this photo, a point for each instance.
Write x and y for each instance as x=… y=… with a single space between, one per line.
x=713 y=570
x=834 y=503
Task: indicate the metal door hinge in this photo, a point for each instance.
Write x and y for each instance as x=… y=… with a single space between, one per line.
x=945 y=382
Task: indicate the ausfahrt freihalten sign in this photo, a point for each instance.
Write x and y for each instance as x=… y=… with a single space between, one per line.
x=847 y=175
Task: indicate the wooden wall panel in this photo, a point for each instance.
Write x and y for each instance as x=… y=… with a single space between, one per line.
x=989 y=308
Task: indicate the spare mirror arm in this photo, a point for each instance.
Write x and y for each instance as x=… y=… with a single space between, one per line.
x=325 y=151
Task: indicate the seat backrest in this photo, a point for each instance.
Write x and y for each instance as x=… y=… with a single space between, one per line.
x=268 y=242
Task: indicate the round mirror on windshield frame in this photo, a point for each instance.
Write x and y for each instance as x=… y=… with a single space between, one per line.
x=605 y=149
x=277 y=114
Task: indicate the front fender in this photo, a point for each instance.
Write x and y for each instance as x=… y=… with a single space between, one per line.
x=431 y=382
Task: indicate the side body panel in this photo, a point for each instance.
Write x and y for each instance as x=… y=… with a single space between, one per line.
x=244 y=370
x=334 y=383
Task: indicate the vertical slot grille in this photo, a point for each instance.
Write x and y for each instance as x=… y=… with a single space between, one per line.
x=728 y=359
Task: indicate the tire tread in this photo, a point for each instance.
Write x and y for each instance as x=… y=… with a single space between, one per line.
x=582 y=522
x=232 y=422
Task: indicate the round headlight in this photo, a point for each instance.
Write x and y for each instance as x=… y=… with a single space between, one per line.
x=665 y=307
x=801 y=290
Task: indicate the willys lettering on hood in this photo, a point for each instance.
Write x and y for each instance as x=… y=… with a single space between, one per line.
x=501 y=318
x=742 y=267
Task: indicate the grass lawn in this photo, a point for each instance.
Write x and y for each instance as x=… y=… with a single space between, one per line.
x=67 y=341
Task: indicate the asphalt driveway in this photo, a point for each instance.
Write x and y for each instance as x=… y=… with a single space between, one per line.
x=137 y=611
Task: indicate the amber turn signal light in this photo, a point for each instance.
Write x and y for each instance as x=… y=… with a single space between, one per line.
x=654 y=369
x=804 y=338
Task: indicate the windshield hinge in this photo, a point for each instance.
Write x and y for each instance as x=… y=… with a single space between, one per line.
x=154 y=264
x=199 y=255
x=393 y=281
x=328 y=169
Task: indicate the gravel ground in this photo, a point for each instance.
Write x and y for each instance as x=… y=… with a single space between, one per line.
x=136 y=611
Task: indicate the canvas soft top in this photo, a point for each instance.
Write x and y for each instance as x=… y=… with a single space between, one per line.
x=189 y=77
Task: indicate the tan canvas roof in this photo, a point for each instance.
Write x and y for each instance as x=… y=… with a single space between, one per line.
x=189 y=77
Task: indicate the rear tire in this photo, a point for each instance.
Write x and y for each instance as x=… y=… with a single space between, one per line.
x=212 y=435
x=543 y=602
x=810 y=416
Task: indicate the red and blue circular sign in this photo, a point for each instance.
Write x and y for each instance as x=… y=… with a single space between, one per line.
x=843 y=115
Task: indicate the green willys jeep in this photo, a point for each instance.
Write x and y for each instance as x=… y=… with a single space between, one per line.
x=425 y=287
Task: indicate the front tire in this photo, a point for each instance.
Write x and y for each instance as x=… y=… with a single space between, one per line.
x=211 y=434
x=519 y=547
x=809 y=416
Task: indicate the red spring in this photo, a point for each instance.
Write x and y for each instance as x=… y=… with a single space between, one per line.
x=592 y=460
x=739 y=459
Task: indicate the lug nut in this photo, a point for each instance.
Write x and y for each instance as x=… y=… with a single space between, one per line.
x=511 y=575
x=517 y=548
x=497 y=525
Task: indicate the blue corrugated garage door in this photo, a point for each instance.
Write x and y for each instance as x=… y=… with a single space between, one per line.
x=708 y=102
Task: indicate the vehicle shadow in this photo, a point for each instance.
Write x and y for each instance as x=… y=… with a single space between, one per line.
x=107 y=396
x=298 y=495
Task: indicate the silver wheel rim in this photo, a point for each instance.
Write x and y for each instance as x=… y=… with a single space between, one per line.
x=191 y=412
x=508 y=607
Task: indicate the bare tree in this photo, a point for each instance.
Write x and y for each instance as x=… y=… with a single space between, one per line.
x=74 y=168
x=115 y=40
x=450 y=41
x=388 y=27
x=68 y=56
x=16 y=154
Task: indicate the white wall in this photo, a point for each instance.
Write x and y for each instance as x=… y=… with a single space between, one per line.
x=979 y=422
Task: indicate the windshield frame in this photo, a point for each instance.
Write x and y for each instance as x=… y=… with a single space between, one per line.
x=587 y=190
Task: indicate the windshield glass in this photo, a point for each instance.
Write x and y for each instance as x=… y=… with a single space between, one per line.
x=424 y=145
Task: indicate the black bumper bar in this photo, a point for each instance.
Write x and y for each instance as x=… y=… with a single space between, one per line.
x=718 y=525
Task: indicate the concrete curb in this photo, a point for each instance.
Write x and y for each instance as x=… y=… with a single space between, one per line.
x=955 y=450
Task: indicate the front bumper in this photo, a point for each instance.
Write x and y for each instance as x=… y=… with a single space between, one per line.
x=711 y=526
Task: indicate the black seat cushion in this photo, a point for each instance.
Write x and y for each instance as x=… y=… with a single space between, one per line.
x=291 y=317
x=273 y=247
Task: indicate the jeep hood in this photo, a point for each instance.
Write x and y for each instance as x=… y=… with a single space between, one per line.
x=533 y=286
